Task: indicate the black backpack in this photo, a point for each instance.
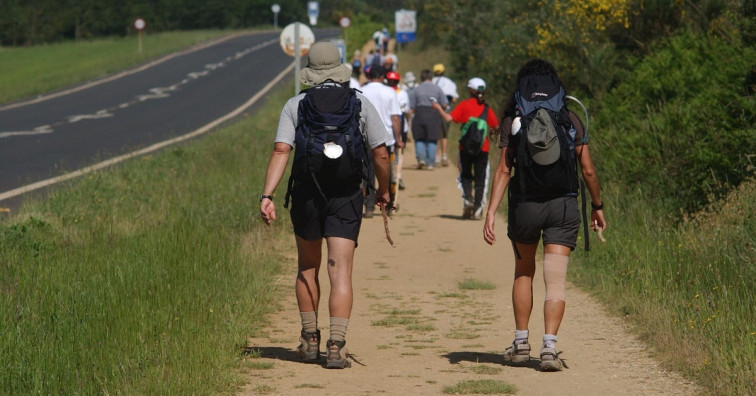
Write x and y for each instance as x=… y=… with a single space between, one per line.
x=540 y=104
x=474 y=133
x=331 y=151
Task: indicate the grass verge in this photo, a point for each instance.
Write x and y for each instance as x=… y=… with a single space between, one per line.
x=146 y=278
x=29 y=71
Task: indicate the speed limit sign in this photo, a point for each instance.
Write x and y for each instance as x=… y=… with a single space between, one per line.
x=139 y=24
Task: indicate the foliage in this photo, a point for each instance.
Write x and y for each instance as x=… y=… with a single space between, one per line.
x=680 y=125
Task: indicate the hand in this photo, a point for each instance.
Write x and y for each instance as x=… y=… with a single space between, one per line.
x=267 y=210
x=488 y=229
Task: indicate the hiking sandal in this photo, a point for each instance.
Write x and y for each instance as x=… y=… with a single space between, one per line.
x=517 y=353
x=549 y=360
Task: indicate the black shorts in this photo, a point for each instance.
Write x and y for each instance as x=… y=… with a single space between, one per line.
x=558 y=219
x=315 y=217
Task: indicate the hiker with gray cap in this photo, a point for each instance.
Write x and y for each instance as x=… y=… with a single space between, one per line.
x=543 y=143
x=326 y=189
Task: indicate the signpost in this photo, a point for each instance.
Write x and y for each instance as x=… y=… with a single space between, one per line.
x=276 y=9
x=296 y=40
x=139 y=24
x=406 y=25
x=345 y=22
x=313 y=8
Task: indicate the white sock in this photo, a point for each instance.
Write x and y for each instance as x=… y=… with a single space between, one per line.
x=549 y=341
x=521 y=336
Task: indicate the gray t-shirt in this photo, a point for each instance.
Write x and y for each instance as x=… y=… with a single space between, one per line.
x=370 y=122
x=422 y=94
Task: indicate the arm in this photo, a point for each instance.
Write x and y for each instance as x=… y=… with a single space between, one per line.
x=276 y=168
x=381 y=165
x=500 y=183
x=592 y=183
x=444 y=114
x=396 y=126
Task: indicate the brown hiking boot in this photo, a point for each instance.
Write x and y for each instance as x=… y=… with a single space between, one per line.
x=337 y=355
x=517 y=353
x=309 y=347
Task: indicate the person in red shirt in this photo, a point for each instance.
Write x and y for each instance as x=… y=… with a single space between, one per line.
x=473 y=169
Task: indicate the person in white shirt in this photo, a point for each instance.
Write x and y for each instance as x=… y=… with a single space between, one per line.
x=386 y=103
x=392 y=80
x=450 y=90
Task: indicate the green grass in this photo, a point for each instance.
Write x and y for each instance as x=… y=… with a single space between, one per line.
x=689 y=286
x=30 y=71
x=481 y=387
x=146 y=278
x=473 y=284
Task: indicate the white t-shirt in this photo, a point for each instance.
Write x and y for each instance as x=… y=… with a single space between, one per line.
x=446 y=85
x=404 y=104
x=370 y=122
x=353 y=83
x=386 y=103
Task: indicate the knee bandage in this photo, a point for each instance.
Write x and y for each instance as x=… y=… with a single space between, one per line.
x=555 y=275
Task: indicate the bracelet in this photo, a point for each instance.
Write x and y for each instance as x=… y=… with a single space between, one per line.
x=600 y=206
x=270 y=197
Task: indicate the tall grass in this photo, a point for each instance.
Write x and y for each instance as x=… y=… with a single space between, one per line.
x=29 y=71
x=145 y=279
x=688 y=287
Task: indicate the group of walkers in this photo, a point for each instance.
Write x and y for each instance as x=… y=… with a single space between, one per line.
x=345 y=140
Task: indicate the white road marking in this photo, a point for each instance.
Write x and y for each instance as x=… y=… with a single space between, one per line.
x=154 y=147
x=41 y=130
x=95 y=116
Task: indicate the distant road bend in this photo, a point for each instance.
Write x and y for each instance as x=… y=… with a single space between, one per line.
x=61 y=136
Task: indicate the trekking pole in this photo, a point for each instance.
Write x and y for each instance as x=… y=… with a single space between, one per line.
x=385 y=225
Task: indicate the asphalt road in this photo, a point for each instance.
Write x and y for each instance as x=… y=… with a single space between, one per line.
x=168 y=99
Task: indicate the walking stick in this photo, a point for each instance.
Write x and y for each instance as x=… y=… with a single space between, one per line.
x=385 y=225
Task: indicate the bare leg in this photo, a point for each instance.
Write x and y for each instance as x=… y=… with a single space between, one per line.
x=307 y=285
x=340 y=261
x=553 y=310
x=522 y=289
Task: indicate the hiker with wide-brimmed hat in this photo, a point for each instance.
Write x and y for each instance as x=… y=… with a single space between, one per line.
x=324 y=207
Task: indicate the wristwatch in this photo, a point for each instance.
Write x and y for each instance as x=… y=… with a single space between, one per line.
x=270 y=197
x=600 y=206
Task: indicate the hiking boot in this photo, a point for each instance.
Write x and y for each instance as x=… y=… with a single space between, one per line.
x=337 y=356
x=421 y=165
x=309 y=347
x=517 y=353
x=368 y=214
x=549 y=360
x=401 y=184
x=429 y=167
x=467 y=211
x=478 y=214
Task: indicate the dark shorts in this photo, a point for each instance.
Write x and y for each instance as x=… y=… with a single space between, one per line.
x=444 y=129
x=314 y=217
x=557 y=219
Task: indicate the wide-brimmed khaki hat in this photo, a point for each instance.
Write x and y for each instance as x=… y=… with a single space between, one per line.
x=324 y=63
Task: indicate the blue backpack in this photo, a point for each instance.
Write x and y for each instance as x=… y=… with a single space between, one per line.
x=540 y=104
x=331 y=151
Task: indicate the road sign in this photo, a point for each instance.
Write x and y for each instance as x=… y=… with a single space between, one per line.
x=276 y=9
x=344 y=22
x=406 y=25
x=313 y=8
x=139 y=24
x=306 y=39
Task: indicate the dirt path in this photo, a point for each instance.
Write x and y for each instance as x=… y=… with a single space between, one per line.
x=414 y=330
